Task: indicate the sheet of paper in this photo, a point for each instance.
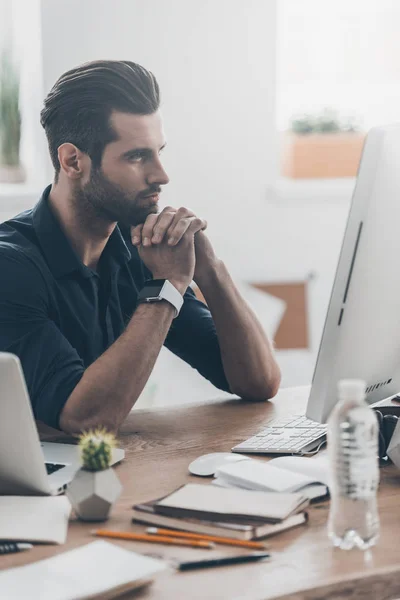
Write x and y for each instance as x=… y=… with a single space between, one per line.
x=34 y=518
x=83 y=573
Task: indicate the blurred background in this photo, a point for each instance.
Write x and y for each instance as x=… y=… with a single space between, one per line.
x=266 y=105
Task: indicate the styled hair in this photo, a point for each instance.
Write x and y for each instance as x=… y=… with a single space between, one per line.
x=78 y=107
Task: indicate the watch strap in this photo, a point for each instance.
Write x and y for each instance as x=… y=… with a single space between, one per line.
x=172 y=295
x=167 y=291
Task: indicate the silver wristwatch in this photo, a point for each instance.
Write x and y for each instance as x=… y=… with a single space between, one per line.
x=155 y=290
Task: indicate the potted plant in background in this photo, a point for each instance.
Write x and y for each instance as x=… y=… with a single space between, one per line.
x=322 y=146
x=11 y=170
x=95 y=486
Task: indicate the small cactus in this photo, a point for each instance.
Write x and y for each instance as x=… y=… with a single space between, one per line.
x=96 y=449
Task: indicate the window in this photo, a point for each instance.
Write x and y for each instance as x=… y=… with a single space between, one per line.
x=343 y=55
x=20 y=25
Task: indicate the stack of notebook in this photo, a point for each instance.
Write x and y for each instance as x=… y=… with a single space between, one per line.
x=234 y=513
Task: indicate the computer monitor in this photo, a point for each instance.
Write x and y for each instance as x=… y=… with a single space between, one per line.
x=361 y=337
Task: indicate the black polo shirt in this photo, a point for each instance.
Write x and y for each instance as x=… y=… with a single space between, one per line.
x=58 y=316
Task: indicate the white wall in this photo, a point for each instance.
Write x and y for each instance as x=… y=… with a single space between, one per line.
x=5 y=22
x=309 y=227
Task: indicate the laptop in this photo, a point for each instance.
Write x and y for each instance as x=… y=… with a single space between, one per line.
x=28 y=466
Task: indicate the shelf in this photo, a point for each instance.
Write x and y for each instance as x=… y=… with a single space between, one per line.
x=313 y=190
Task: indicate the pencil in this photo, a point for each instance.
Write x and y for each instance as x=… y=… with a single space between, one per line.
x=210 y=538
x=142 y=537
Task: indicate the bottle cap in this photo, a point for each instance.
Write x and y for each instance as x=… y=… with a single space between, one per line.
x=352 y=388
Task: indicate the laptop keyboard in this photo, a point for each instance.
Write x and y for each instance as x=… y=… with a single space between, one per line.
x=53 y=467
x=294 y=434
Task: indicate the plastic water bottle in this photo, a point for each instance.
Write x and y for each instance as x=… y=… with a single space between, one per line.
x=354 y=469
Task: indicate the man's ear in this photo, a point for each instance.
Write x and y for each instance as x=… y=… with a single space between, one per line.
x=75 y=163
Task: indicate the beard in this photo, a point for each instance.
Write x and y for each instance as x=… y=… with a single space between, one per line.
x=108 y=201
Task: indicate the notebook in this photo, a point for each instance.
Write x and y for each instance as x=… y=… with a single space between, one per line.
x=81 y=574
x=285 y=474
x=145 y=514
x=214 y=503
x=34 y=518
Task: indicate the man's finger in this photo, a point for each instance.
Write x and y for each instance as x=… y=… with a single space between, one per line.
x=147 y=231
x=181 y=213
x=204 y=226
x=136 y=234
x=194 y=224
x=164 y=221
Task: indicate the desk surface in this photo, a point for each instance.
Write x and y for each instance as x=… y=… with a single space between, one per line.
x=160 y=444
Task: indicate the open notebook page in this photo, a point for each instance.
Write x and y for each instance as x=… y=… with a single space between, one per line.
x=316 y=468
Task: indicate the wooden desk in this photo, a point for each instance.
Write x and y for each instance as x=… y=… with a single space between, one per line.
x=160 y=444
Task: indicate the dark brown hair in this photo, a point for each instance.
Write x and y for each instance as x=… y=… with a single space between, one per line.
x=78 y=107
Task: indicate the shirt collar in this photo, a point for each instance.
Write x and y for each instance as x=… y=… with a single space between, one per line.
x=58 y=252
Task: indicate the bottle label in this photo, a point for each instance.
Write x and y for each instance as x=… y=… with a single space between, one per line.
x=358 y=474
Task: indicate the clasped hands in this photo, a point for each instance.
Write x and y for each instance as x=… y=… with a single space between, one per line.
x=169 y=226
x=172 y=246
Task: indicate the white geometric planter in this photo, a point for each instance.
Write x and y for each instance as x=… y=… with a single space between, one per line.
x=92 y=493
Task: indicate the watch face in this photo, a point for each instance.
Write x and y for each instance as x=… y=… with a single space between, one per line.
x=154 y=283
x=152 y=288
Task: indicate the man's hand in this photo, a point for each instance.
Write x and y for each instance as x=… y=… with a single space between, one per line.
x=166 y=245
x=206 y=259
x=175 y=263
x=169 y=226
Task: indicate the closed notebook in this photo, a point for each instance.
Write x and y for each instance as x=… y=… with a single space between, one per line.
x=145 y=514
x=97 y=570
x=41 y=519
x=286 y=474
x=220 y=504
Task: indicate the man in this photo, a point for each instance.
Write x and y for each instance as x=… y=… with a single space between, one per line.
x=74 y=305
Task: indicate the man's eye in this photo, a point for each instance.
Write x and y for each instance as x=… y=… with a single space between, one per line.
x=136 y=157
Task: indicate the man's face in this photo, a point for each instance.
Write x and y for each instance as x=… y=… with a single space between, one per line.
x=127 y=185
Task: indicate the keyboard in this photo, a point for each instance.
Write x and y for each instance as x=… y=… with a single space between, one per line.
x=294 y=434
x=53 y=467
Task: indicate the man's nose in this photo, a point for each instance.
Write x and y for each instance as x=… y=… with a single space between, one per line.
x=157 y=174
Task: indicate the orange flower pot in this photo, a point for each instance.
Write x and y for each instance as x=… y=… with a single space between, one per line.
x=322 y=155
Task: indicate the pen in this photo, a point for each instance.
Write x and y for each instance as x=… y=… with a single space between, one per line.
x=210 y=538
x=219 y=562
x=10 y=547
x=141 y=537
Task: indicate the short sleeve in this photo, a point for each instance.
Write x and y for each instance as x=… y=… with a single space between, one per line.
x=193 y=338
x=51 y=366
